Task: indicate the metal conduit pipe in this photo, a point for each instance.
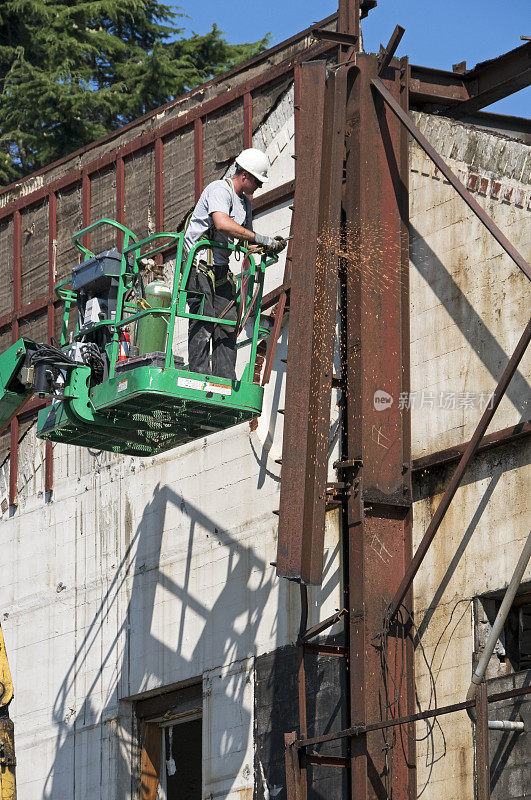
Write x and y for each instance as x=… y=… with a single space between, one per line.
x=479 y=674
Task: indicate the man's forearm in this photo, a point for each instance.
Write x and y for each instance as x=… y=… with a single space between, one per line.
x=226 y=225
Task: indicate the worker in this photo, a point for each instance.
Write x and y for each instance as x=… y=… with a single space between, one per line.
x=222 y=214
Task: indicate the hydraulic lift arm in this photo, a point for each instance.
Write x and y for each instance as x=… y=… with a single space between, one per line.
x=14 y=369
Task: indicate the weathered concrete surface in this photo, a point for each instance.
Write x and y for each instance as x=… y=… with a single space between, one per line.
x=469 y=302
x=474 y=552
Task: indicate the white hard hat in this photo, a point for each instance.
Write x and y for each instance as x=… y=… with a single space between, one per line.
x=255 y=162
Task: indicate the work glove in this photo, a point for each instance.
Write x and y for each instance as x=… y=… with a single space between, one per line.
x=272 y=245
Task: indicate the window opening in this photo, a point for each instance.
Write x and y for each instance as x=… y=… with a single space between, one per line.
x=513 y=649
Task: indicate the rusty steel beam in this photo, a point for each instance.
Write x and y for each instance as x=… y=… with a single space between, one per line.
x=198 y=157
x=473 y=89
x=500 y=438
x=293 y=774
x=359 y=729
x=482 y=743
x=320 y=155
x=334 y=36
x=450 y=176
x=247 y=120
x=348 y=19
x=493 y=80
x=85 y=205
x=376 y=449
x=391 y=48
x=52 y=256
x=457 y=477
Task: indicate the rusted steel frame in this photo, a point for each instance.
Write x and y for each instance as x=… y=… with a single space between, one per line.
x=159 y=185
x=325 y=649
x=85 y=205
x=30 y=408
x=435 y=86
x=327 y=761
x=159 y=192
x=359 y=729
x=198 y=157
x=30 y=310
x=500 y=438
x=348 y=39
x=17 y=295
x=390 y=50
x=471 y=202
x=283 y=296
x=26 y=201
x=482 y=743
x=145 y=140
x=269 y=199
x=262 y=203
x=273 y=296
x=356 y=731
x=457 y=477
x=293 y=773
x=509 y=694
x=312 y=320
x=247 y=120
x=495 y=79
x=324 y=625
x=348 y=20
x=120 y=198
x=52 y=255
x=273 y=338
x=377 y=522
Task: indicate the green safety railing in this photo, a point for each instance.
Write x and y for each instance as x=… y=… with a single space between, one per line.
x=250 y=282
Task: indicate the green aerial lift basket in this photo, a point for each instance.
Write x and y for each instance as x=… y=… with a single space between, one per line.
x=147 y=409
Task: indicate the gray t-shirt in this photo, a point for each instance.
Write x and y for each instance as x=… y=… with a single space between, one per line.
x=218 y=196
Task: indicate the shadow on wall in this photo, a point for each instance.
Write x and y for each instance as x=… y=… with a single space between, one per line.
x=80 y=743
x=481 y=340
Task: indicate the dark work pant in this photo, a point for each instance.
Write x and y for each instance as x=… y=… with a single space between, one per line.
x=204 y=337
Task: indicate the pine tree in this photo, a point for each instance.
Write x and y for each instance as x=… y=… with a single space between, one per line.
x=71 y=72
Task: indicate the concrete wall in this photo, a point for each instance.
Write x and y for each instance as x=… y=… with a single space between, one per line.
x=469 y=306
x=142 y=574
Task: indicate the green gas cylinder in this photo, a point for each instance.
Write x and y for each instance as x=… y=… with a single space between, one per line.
x=152 y=329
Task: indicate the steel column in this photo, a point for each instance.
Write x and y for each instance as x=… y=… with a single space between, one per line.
x=17 y=296
x=247 y=120
x=482 y=743
x=52 y=257
x=376 y=445
x=120 y=198
x=85 y=204
x=198 y=157
x=348 y=20
x=320 y=156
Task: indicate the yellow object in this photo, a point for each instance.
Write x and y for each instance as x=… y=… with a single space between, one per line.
x=8 y=790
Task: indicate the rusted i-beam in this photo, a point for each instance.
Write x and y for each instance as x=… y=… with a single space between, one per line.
x=457 y=477
x=376 y=452
x=319 y=165
x=450 y=176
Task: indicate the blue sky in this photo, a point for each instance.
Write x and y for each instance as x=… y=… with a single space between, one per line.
x=438 y=34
